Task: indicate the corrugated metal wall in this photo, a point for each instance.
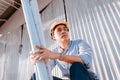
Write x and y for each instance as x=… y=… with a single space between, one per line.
x=25 y=68
x=97 y=22
x=14 y=55
x=8 y=57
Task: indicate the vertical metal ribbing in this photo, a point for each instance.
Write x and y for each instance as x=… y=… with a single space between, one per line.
x=97 y=22
x=65 y=9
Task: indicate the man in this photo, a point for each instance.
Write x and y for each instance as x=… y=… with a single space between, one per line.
x=73 y=57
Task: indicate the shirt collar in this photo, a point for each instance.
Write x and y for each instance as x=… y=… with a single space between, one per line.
x=60 y=50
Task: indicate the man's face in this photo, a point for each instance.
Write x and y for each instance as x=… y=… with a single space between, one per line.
x=60 y=33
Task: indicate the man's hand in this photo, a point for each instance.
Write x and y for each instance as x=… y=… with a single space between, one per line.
x=42 y=53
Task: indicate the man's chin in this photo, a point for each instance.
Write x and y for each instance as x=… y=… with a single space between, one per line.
x=64 y=36
x=64 y=39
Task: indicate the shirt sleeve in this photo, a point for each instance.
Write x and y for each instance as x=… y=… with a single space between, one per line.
x=85 y=53
x=52 y=64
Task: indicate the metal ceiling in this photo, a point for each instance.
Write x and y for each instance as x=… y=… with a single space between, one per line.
x=7 y=8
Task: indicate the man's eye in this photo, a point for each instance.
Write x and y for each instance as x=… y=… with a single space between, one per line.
x=65 y=29
x=59 y=30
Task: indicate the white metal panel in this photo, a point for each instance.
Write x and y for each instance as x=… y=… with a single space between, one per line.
x=11 y=55
x=2 y=55
x=54 y=12
x=14 y=58
x=97 y=22
x=43 y=3
x=25 y=68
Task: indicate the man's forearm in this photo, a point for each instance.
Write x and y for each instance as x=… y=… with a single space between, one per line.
x=70 y=59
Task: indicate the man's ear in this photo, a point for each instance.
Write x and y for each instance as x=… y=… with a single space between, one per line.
x=53 y=37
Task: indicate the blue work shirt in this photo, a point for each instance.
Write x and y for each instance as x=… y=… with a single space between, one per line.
x=76 y=48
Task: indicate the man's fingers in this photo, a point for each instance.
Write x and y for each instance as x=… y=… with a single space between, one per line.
x=32 y=56
x=41 y=57
x=31 y=52
x=37 y=55
x=33 y=62
x=39 y=47
x=37 y=52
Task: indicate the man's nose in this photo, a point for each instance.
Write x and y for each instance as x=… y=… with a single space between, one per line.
x=63 y=32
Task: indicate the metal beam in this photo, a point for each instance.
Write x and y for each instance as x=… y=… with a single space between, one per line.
x=32 y=18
